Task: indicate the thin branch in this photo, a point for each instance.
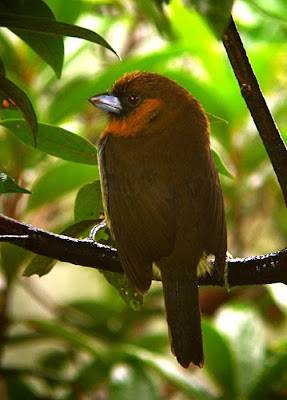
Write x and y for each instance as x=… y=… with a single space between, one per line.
x=258 y=270
x=255 y=101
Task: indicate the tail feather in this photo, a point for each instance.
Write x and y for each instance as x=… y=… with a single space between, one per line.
x=183 y=318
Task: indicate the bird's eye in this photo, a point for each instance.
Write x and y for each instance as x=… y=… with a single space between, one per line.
x=134 y=99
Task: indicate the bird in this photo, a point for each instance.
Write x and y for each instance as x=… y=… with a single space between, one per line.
x=162 y=197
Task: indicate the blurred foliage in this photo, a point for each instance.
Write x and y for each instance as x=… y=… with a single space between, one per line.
x=90 y=345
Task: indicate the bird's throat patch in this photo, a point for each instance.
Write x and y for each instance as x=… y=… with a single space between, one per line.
x=136 y=121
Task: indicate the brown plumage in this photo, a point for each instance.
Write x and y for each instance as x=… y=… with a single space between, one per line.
x=162 y=196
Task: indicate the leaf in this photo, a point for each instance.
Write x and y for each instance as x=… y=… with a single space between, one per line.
x=272 y=9
x=216 y=348
x=213 y=118
x=187 y=383
x=10 y=91
x=216 y=12
x=2 y=68
x=39 y=265
x=51 y=27
x=55 y=141
x=42 y=265
x=77 y=229
x=60 y=179
x=221 y=168
x=7 y=185
x=127 y=292
x=49 y=48
x=244 y=329
x=12 y=259
x=153 y=11
x=19 y=389
x=130 y=382
x=88 y=203
x=92 y=375
x=69 y=336
x=272 y=376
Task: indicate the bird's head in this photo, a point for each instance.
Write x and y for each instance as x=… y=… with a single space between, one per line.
x=141 y=102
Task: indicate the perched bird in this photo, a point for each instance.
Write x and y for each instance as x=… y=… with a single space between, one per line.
x=162 y=196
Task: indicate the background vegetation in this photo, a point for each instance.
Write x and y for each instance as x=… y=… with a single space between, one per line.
x=69 y=335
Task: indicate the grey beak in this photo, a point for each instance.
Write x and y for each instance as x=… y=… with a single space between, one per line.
x=107 y=102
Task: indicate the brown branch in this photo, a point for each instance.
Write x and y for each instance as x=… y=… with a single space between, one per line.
x=256 y=104
x=258 y=270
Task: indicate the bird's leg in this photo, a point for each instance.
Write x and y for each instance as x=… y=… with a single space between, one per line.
x=225 y=273
x=96 y=229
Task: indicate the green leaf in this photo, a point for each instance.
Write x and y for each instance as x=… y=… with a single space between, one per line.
x=130 y=382
x=7 y=185
x=55 y=359
x=92 y=375
x=244 y=329
x=273 y=375
x=189 y=384
x=88 y=203
x=216 y=348
x=12 y=259
x=51 y=27
x=127 y=292
x=2 y=68
x=9 y=90
x=42 y=265
x=77 y=229
x=214 y=119
x=221 y=168
x=70 y=336
x=39 y=265
x=216 y=12
x=60 y=179
x=19 y=389
x=272 y=9
x=55 y=141
x=49 y=48
x=149 y=9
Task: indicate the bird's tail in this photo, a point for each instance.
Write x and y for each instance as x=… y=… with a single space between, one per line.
x=183 y=318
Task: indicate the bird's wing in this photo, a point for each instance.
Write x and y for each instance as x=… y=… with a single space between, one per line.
x=210 y=216
x=141 y=213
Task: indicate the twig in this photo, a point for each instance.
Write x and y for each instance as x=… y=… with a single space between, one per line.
x=258 y=270
x=255 y=101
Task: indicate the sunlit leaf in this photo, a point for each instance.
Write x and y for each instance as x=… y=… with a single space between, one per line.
x=55 y=141
x=273 y=9
x=131 y=382
x=188 y=384
x=273 y=376
x=221 y=168
x=216 y=12
x=216 y=347
x=243 y=327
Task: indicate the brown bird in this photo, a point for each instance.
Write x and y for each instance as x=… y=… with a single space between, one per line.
x=162 y=196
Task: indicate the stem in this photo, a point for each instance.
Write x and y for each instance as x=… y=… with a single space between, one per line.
x=256 y=270
x=251 y=92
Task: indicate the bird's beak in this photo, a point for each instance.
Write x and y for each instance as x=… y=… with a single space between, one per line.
x=107 y=102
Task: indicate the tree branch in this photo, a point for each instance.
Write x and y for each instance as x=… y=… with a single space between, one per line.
x=258 y=270
x=256 y=104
